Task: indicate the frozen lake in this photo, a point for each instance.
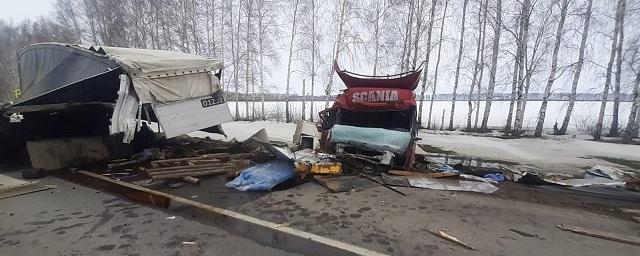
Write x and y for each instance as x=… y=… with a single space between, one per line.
x=583 y=110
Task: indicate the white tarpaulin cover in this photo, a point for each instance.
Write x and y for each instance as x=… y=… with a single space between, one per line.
x=165 y=76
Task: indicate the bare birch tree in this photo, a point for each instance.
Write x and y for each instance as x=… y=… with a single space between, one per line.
x=457 y=75
x=482 y=24
x=494 y=65
x=605 y=92
x=633 y=124
x=425 y=70
x=614 y=130
x=578 y=70
x=435 y=76
x=248 y=70
x=554 y=65
x=290 y=61
x=337 y=47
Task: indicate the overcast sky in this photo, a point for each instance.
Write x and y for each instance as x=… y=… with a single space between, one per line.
x=17 y=10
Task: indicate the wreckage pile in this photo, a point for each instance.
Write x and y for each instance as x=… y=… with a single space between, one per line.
x=258 y=164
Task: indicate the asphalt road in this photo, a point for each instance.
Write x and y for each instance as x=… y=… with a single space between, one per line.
x=75 y=220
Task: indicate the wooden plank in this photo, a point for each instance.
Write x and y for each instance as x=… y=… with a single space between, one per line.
x=425 y=175
x=193 y=173
x=261 y=231
x=451 y=238
x=631 y=211
x=600 y=234
x=191 y=179
x=223 y=169
x=191 y=167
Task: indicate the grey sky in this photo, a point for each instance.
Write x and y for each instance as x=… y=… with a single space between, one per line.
x=17 y=10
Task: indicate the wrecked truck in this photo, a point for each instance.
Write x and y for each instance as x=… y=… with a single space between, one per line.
x=373 y=118
x=89 y=103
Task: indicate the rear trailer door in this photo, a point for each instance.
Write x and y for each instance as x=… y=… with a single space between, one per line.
x=192 y=115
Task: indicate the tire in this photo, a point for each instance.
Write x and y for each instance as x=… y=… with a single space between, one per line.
x=32 y=173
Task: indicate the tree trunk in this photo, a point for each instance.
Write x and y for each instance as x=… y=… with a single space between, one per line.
x=494 y=65
x=247 y=63
x=293 y=34
x=416 y=37
x=425 y=71
x=514 y=86
x=336 y=51
x=313 y=55
x=576 y=74
x=614 y=131
x=435 y=77
x=479 y=84
x=236 y=57
x=304 y=99
x=632 y=123
x=406 y=49
x=524 y=25
x=554 y=66
x=605 y=92
x=517 y=75
x=475 y=68
x=460 y=48
x=376 y=39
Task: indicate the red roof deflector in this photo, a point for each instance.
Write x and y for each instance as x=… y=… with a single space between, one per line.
x=407 y=80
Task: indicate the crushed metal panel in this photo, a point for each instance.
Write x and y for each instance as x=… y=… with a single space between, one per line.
x=53 y=154
x=192 y=115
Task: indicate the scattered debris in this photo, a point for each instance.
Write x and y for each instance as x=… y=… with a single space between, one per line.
x=446 y=236
x=326 y=168
x=176 y=184
x=452 y=185
x=522 y=233
x=596 y=176
x=344 y=183
x=281 y=225
x=600 y=234
x=497 y=177
x=633 y=185
x=634 y=214
x=425 y=175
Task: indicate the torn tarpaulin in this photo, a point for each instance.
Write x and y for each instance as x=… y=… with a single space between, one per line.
x=263 y=176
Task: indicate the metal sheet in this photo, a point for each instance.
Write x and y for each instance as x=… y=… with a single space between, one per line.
x=191 y=115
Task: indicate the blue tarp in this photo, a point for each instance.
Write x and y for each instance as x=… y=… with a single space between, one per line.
x=371 y=138
x=263 y=176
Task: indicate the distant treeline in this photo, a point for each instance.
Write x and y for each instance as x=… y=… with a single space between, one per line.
x=230 y=96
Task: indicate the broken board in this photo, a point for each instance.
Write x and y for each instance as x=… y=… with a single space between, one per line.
x=10 y=187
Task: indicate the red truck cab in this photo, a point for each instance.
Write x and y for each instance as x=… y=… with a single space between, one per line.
x=375 y=117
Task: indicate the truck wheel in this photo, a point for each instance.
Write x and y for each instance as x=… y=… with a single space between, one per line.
x=32 y=173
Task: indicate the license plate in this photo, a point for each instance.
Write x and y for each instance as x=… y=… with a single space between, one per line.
x=211 y=102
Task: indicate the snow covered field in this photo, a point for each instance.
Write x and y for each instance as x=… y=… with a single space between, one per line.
x=562 y=154
x=555 y=111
